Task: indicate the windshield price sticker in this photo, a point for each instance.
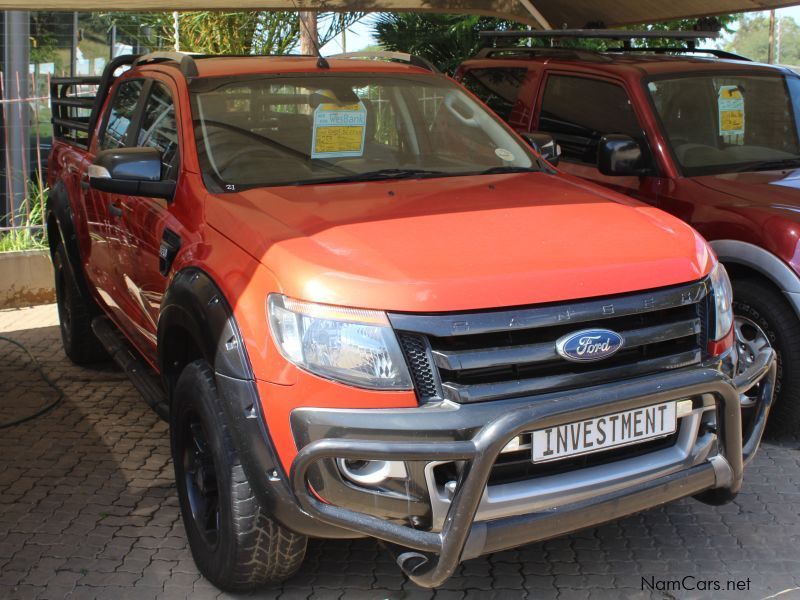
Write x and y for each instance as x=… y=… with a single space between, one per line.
x=730 y=103
x=339 y=131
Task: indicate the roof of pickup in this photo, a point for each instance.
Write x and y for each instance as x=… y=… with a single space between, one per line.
x=645 y=63
x=221 y=66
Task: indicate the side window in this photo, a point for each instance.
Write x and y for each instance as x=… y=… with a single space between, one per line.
x=578 y=111
x=159 y=129
x=498 y=88
x=121 y=114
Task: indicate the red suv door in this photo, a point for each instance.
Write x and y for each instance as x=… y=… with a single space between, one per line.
x=577 y=110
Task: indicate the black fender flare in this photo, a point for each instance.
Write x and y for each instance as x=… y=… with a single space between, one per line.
x=196 y=304
x=58 y=210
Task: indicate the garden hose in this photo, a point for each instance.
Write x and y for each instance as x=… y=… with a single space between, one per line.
x=38 y=368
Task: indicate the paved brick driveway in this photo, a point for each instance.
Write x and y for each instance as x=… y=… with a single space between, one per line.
x=88 y=510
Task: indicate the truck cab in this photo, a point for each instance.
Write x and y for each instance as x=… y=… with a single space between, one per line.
x=367 y=307
x=707 y=136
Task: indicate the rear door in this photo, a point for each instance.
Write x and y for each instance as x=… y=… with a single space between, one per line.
x=577 y=110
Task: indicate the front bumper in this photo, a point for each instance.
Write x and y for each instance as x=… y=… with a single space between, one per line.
x=431 y=435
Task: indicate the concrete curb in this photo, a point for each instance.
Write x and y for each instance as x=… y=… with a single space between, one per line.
x=26 y=279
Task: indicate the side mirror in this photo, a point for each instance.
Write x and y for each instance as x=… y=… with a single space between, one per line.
x=620 y=155
x=130 y=171
x=545 y=145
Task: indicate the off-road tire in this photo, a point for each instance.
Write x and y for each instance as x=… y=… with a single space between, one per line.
x=767 y=308
x=250 y=549
x=75 y=315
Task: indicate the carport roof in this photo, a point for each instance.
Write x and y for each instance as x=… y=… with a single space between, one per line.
x=539 y=13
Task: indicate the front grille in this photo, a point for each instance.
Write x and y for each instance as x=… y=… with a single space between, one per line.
x=517 y=466
x=492 y=355
x=417 y=353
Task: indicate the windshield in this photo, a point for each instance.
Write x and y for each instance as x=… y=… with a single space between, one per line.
x=297 y=130
x=726 y=123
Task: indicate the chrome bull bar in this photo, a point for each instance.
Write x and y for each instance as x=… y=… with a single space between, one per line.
x=429 y=558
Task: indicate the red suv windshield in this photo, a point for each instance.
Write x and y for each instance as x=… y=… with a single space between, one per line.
x=724 y=123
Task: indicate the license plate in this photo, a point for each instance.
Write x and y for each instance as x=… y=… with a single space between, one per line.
x=601 y=433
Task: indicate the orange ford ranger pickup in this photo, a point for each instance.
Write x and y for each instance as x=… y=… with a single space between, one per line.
x=368 y=308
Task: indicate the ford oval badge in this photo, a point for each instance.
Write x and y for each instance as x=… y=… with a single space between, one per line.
x=589 y=345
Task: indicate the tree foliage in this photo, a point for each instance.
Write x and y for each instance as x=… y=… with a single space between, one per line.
x=447 y=40
x=228 y=32
x=752 y=39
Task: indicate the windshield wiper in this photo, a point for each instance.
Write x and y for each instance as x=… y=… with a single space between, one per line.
x=509 y=169
x=378 y=175
x=768 y=165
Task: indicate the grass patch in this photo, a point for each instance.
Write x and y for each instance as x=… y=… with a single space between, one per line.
x=30 y=234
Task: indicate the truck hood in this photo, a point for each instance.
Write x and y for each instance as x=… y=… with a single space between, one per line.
x=776 y=191
x=459 y=243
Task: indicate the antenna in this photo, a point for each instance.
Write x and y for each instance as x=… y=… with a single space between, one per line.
x=321 y=62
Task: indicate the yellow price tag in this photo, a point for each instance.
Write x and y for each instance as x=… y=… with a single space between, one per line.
x=339 y=131
x=731 y=120
x=338 y=139
x=730 y=109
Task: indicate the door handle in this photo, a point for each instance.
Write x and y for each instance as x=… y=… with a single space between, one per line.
x=115 y=210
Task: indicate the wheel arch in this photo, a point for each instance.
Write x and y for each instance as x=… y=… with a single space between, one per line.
x=196 y=322
x=195 y=308
x=763 y=263
x=61 y=230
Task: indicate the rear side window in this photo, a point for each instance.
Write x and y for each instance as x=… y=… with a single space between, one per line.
x=498 y=88
x=578 y=111
x=120 y=115
x=159 y=129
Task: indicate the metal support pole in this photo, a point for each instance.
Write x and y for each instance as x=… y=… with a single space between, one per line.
x=17 y=113
x=73 y=48
x=176 y=30
x=771 y=51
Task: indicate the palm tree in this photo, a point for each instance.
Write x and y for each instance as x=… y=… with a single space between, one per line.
x=445 y=40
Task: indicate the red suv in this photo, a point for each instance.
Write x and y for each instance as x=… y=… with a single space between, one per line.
x=711 y=138
x=368 y=308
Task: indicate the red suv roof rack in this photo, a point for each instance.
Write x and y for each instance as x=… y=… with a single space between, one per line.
x=626 y=36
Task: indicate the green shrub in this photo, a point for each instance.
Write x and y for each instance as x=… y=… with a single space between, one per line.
x=30 y=234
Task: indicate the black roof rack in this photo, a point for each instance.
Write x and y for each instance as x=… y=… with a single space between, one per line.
x=678 y=50
x=417 y=61
x=626 y=36
x=609 y=34
x=525 y=52
x=594 y=55
x=185 y=62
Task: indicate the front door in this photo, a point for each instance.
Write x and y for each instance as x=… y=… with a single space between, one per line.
x=577 y=111
x=104 y=210
x=150 y=223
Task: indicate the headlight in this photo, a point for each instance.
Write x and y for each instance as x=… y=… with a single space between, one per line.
x=349 y=345
x=723 y=296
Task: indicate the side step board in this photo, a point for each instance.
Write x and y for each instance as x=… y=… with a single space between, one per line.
x=138 y=371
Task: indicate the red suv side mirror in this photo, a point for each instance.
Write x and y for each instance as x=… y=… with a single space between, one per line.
x=620 y=155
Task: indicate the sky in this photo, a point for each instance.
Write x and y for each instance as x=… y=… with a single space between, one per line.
x=360 y=35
